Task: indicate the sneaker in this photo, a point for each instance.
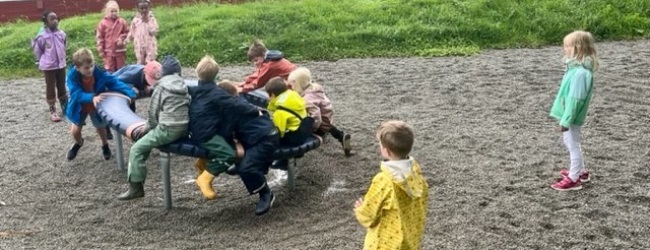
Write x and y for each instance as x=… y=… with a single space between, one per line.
x=567 y=184
x=54 y=116
x=109 y=135
x=347 y=147
x=72 y=153
x=584 y=177
x=106 y=152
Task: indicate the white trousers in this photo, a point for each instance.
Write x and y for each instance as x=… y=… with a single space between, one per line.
x=572 y=142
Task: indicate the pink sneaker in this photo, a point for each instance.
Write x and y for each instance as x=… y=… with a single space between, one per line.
x=567 y=184
x=584 y=177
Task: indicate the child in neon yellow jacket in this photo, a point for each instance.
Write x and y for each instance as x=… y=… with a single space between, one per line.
x=395 y=207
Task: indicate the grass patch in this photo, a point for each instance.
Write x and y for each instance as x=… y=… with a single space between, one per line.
x=335 y=29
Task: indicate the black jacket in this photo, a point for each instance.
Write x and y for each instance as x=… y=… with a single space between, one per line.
x=251 y=130
x=215 y=112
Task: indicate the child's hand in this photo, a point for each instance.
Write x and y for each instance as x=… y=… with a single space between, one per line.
x=358 y=203
x=97 y=99
x=563 y=129
x=239 y=89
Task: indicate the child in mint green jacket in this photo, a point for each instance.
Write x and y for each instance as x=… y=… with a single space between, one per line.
x=572 y=103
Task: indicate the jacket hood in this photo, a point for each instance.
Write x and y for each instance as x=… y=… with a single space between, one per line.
x=315 y=88
x=402 y=173
x=291 y=100
x=174 y=84
x=587 y=62
x=273 y=55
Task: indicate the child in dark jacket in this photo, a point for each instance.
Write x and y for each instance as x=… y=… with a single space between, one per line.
x=49 y=48
x=85 y=82
x=215 y=116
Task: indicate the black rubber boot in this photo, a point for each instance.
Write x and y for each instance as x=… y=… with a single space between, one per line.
x=266 y=201
x=136 y=190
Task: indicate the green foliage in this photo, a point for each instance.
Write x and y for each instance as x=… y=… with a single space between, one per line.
x=334 y=29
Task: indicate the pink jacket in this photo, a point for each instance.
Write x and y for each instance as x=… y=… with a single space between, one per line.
x=319 y=107
x=109 y=32
x=143 y=34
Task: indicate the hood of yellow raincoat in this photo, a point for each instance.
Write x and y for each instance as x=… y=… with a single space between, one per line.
x=403 y=175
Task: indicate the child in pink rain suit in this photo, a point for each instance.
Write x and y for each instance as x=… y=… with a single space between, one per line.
x=143 y=33
x=111 y=35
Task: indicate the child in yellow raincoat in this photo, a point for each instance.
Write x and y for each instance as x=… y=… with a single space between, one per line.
x=395 y=207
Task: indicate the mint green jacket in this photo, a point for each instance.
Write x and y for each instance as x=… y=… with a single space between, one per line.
x=572 y=101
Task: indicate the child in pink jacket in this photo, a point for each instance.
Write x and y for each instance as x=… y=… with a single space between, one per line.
x=111 y=35
x=143 y=33
x=319 y=107
x=49 y=49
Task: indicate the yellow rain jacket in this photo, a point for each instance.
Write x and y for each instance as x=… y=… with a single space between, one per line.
x=284 y=120
x=395 y=207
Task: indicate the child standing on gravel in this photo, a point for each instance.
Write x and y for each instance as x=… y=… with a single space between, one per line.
x=49 y=48
x=572 y=103
x=144 y=28
x=395 y=207
x=319 y=107
x=111 y=35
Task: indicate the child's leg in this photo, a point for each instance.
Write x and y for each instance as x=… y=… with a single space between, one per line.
x=343 y=138
x=140 y=56
x=50 y=83
x=120 y=60
x=572 y=142
x=61 y=90
x=252 y=168
x=150 y=56
x=336 y=133
x=75 y=131
x=101 y=127
x=139 y=153
x=221 y=156
x=108 y=63
x=151 y=51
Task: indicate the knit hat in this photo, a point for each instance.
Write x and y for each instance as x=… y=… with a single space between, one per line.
x=171 y=65
x=152 y=72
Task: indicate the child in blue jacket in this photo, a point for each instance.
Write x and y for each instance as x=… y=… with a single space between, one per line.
x=85 y=82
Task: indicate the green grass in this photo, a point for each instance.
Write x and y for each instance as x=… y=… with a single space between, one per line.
x=334 y=29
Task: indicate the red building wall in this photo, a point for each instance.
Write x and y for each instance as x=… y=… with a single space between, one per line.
x=32 y=9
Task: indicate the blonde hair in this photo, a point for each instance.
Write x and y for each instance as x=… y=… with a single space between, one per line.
x=584 y=46
x=300 y=79
x=207 y=69
x=256 y=49
x=82 y=57
x=109 y=6
x=229 y=86
x=397 y=137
